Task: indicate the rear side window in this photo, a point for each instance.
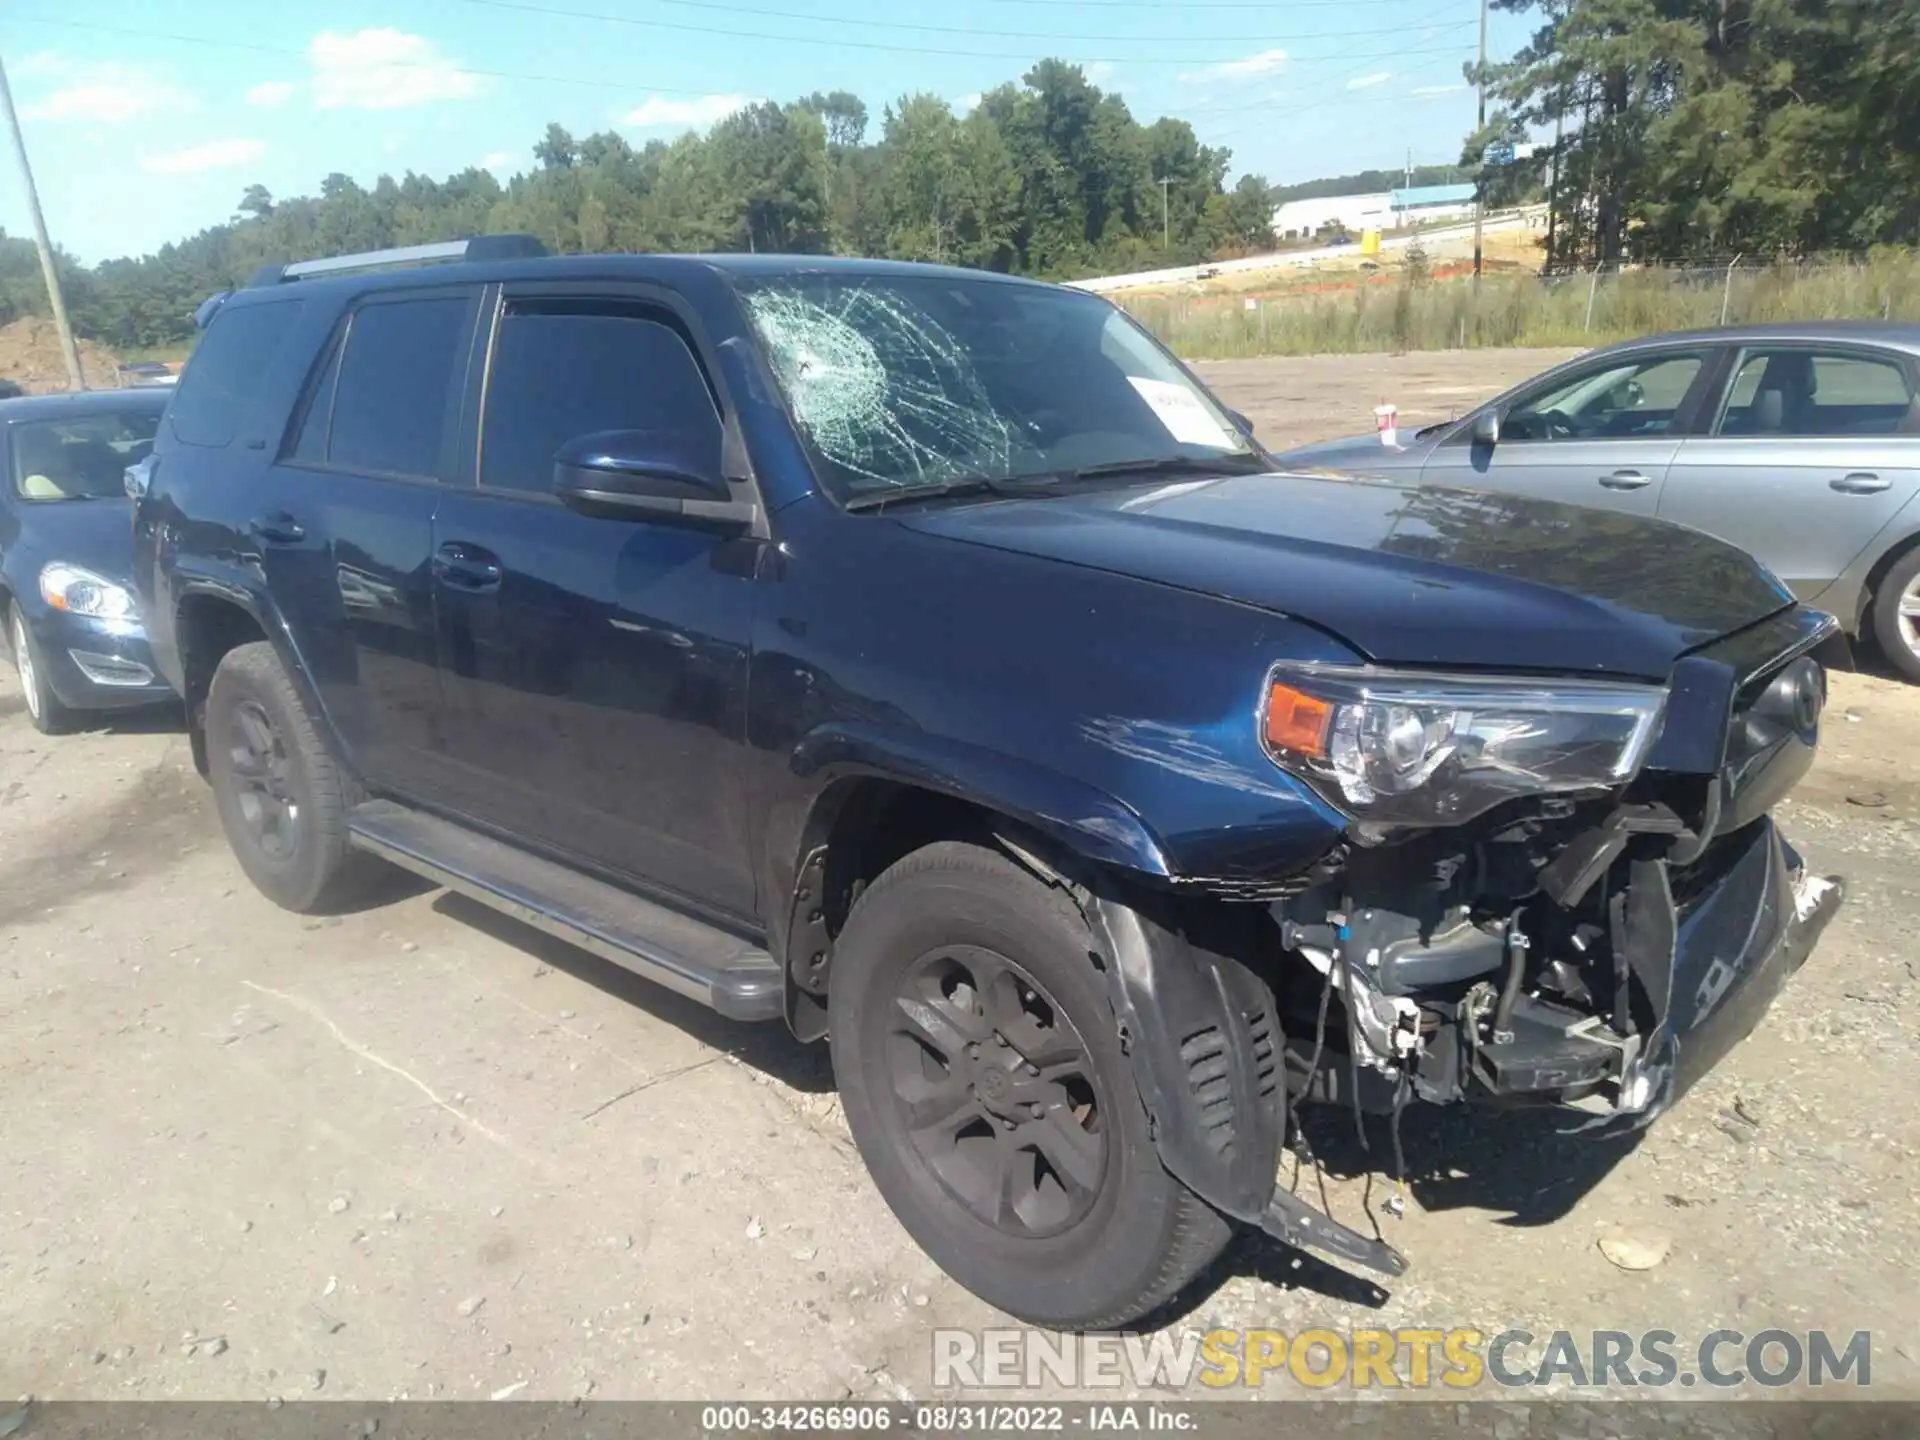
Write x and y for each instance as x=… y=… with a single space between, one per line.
x=1801 y=392
x=564 y=370
x=236 y=352
x=397 y=387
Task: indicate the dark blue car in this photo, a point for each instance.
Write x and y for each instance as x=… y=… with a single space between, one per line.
x=66 y=549
x=925 y=659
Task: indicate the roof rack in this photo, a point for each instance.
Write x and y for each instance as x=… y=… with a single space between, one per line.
x=478 y=247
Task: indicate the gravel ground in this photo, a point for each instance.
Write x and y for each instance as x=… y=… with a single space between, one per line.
x=420 y=1151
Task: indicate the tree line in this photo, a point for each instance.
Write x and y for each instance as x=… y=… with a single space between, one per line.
x=1051 y=176
x=1698 y=129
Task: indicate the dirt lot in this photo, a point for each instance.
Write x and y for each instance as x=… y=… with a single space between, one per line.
x=421 y=1151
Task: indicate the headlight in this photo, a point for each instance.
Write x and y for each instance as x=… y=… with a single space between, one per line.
x=1400 y=748
x=81 y=592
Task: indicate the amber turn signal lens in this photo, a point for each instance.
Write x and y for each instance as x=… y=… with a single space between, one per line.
x=1297 y=722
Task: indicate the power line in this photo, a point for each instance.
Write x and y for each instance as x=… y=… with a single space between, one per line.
x=814 y=18
x=630 y=87
x=733 y=33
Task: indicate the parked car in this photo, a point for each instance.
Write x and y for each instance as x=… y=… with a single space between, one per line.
x=66 y=546
x=1799 y=443
x=925 y=658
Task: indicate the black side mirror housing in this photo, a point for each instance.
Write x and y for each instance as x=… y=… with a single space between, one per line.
x=647 y=475
x=1486 y=428
x=1246 y=425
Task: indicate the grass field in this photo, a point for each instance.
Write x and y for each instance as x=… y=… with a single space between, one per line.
x=1394 y=308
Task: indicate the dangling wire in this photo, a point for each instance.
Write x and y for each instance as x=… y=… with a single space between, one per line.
x=1397 y=1202
x=1313 y=1070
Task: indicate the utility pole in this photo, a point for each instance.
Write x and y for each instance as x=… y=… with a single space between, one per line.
x=1480 y=181
x=1165 y=244
x=74 y=378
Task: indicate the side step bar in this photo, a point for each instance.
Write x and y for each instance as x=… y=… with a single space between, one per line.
x=688 y=956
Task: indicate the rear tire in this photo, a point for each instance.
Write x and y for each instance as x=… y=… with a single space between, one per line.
x=1895 y=615
x=977 y=1057
x=44 y=709
x=283 y=799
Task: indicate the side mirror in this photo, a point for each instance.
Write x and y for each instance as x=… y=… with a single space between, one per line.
x=647 y=475
x=1246 y=425
x=1486 y=428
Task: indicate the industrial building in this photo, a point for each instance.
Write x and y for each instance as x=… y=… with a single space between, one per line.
x=1386 y=210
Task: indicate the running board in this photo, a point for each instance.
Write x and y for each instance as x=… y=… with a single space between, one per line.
x=688 y=956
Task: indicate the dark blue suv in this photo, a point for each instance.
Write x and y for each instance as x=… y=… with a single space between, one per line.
x=925 y=658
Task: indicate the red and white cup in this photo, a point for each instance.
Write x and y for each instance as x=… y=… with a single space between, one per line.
x=1386 y=418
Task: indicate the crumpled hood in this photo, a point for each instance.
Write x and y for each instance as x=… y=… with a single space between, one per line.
x=96 y=535
x=1405 y=573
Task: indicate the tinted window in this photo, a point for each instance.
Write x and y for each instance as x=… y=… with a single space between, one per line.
x=396 y=386
x=82 y=458
x=1810 y=393
x=1634 y=399
x=563 y=372
x=236 y=351
x=311 y=444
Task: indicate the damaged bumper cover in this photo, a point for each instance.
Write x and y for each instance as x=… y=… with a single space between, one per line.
x=1708 y=965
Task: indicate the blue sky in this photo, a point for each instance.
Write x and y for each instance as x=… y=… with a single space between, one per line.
x=146 y=119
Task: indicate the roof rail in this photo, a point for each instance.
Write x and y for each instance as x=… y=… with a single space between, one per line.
x=478 y=247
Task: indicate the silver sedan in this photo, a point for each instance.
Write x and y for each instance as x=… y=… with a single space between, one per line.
x=1799 y=443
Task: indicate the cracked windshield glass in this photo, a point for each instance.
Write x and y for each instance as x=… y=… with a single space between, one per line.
x=909 y=382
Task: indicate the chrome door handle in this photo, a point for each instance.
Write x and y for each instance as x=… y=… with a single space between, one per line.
x=1626 y=480
x=1861 y=482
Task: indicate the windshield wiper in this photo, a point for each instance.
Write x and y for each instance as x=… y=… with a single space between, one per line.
x=935 y=490
x=1171 y=465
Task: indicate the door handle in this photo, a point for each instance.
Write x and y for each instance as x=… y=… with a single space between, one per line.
x=466 y=567
x=1626 y=480
x=277 y=527
x=1861 y=482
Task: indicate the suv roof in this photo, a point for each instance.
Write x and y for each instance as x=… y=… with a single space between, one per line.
x=522 y=266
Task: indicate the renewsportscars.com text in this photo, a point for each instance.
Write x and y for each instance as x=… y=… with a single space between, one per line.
x=1457 y=1359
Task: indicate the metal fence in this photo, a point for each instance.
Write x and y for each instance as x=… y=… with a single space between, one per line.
x=1402 y=307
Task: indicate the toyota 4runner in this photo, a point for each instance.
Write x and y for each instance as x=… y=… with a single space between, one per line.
x=925 y=659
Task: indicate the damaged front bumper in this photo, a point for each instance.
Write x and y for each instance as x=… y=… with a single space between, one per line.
x=1706 y=965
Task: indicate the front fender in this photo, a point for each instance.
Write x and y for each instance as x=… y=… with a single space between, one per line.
x=1090 y=824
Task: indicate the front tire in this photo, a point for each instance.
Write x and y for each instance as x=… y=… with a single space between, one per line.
x=283 y=799
x=1896 y=615
x=44 y=709
x=978 y=1061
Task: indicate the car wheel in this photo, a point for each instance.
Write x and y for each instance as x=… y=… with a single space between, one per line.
x=282 y=798
x=44 y=709
x=1896 y=615
x=982 y=1076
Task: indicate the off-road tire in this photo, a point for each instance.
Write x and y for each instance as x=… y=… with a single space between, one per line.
x=1144 y=1235
x=44 y=710
x=1885 y=620
x=318 y=871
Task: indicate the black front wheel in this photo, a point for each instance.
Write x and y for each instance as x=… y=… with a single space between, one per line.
x=283 y=799
x=978 y=1060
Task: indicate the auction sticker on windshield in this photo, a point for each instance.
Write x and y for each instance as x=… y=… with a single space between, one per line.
x=1183 y=413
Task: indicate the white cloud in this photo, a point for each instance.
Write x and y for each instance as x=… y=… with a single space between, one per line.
x=1100 y=72
x=967 y=104
x=214 y=155
x=269 y=93
x=1267 y=62
x=496 y=160
x=384 y=69
x=1367 y=82
x=108 y=92
x=657 y=111
x=1427 y=92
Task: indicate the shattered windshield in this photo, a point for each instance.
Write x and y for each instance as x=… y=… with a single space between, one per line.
x=914 y=381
